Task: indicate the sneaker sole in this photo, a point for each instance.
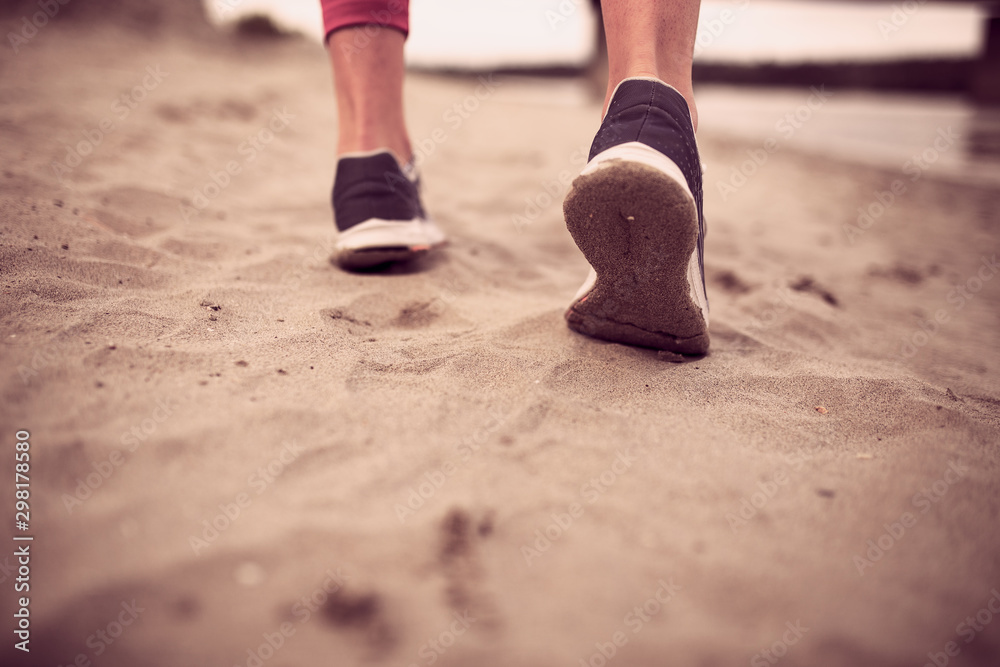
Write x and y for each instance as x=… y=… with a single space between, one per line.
x=376 y=242
x=638 y=228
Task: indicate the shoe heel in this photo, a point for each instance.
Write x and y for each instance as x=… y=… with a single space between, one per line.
x=638 y=228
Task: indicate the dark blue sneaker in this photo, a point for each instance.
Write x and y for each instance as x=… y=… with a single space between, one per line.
x=636 y=213
x=377 y=210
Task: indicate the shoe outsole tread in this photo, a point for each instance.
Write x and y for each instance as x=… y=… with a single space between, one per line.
x=638 y=228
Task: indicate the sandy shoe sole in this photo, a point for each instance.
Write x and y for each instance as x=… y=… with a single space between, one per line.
x=638 y=227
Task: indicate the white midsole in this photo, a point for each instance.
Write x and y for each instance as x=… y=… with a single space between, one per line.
x=634 y=151
x=378 y=233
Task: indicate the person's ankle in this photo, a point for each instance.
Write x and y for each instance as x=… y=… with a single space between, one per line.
x=398 y=146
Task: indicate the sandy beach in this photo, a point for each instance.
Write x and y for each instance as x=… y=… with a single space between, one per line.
x=242 y=455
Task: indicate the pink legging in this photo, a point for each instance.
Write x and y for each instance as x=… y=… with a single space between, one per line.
x=339 y=14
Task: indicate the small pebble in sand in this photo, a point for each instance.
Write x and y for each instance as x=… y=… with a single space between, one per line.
x=820 y=409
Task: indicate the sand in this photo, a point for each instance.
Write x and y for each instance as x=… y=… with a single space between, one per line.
x=241 y=455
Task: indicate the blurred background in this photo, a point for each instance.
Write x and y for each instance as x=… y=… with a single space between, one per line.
x=457 y=34
x=900 y=70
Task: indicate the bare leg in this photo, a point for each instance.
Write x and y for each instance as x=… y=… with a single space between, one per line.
x=652 y=38
x=368 y=78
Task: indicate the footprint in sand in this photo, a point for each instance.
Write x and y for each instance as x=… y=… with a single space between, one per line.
x=459 y=559
x=416 y=314
x=362 y=613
